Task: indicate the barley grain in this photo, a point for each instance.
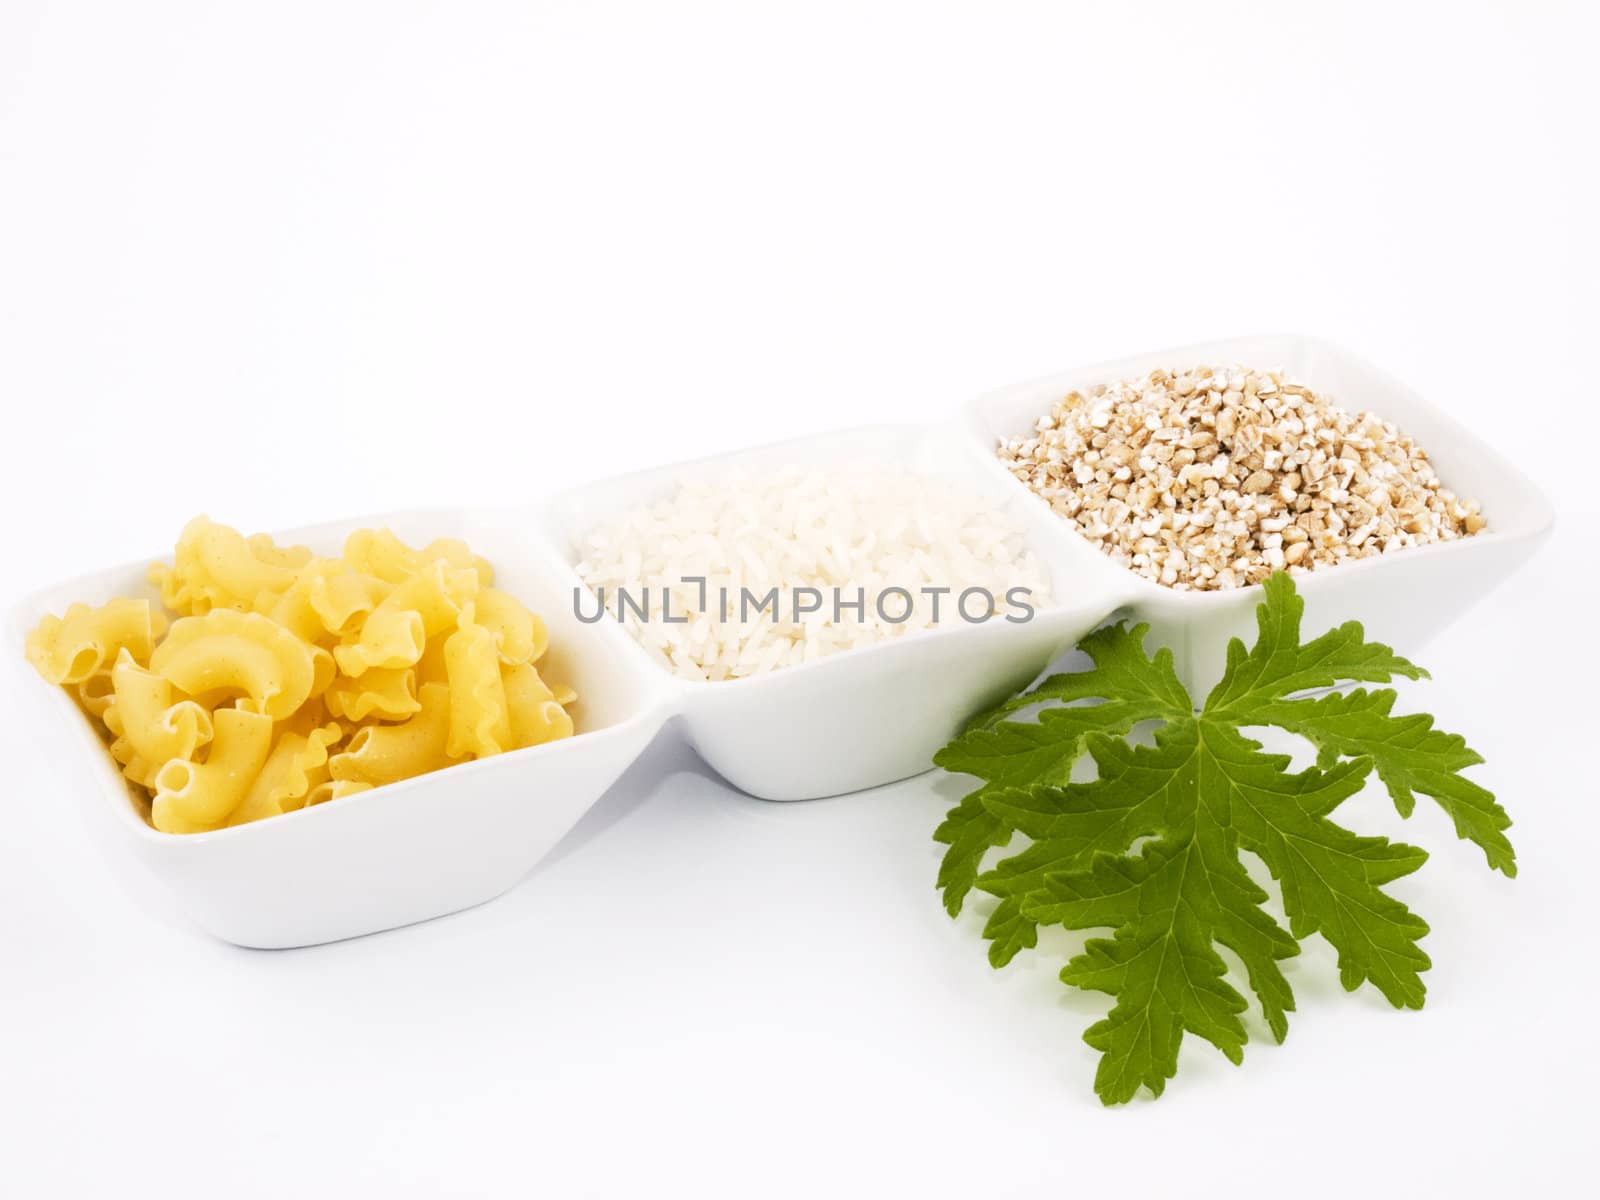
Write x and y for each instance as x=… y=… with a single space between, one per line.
x=1213 y=477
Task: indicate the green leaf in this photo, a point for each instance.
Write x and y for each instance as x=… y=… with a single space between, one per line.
x=1150 y=847
x=1332 y=880
x=1278 y=665
x=1186 y=891
x=1132 y=688
x=1066 y=826
x=1161 y=965
x=1122 y=671
x=1410 y=756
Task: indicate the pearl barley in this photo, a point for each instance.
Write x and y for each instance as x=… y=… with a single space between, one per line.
x=1215 y=477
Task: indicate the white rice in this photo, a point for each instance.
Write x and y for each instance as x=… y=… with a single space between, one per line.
x=865 y=525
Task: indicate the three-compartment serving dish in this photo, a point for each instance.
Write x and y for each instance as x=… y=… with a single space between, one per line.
x=448 y=840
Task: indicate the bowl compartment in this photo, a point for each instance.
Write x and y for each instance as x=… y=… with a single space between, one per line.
x=410 y=850
x=1402 y=598
x=878 y=713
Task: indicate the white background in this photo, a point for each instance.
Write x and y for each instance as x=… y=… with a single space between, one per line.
x=288 y=262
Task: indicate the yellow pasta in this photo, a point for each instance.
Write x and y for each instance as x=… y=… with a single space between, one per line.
x=70 y=648
x=536 y=715
x=323 y=671
x=343 y=600
x=325 y=602
x=387 y=753
x=313 y=714
x=95 y=694
x=289 y=680
x=292 y=607
x=388 y=692
x=393 y=635
x=480 y=724
x=519 y=636
x=150 y=724
x=297 y=763
x=380 y=553
x=430 y=667
x=269 y=552
x=389 y=638
x=215 y=567
x=192 y=797
x=230 y=652
x=336 y=789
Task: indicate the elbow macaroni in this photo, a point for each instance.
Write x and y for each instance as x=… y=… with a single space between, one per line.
x=381 y=754
x=227 y=651
x=195 y=796
x=288 y=680
x=72 y=648
x=150 y=727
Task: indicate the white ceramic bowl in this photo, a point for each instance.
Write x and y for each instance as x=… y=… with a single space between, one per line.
x=411 y=850
x=1402 y=599
x=876 y=713
x=458 y=837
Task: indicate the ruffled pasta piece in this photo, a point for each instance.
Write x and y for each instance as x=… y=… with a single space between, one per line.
x=311 y=715
x=71 y=648
x=325 y=602
x=389 y=638
x=536 y=716
x=174 y=592
x=336 y=789
x=381 y=553
x=192 y=797
x=323 y=670
x=519 y=635
x=389 y=693
x=562 y=693
x=297 y=764
x=292 y=608
x=151 y=726
x=395 y=632
x=294 y=611
x=268 y=551
x=430 y=667
x=480 y=724
x=455 y=552
x=380 y=754
x=215 y=566
x=229 y=652
x=343 y=602
x=95 y=694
